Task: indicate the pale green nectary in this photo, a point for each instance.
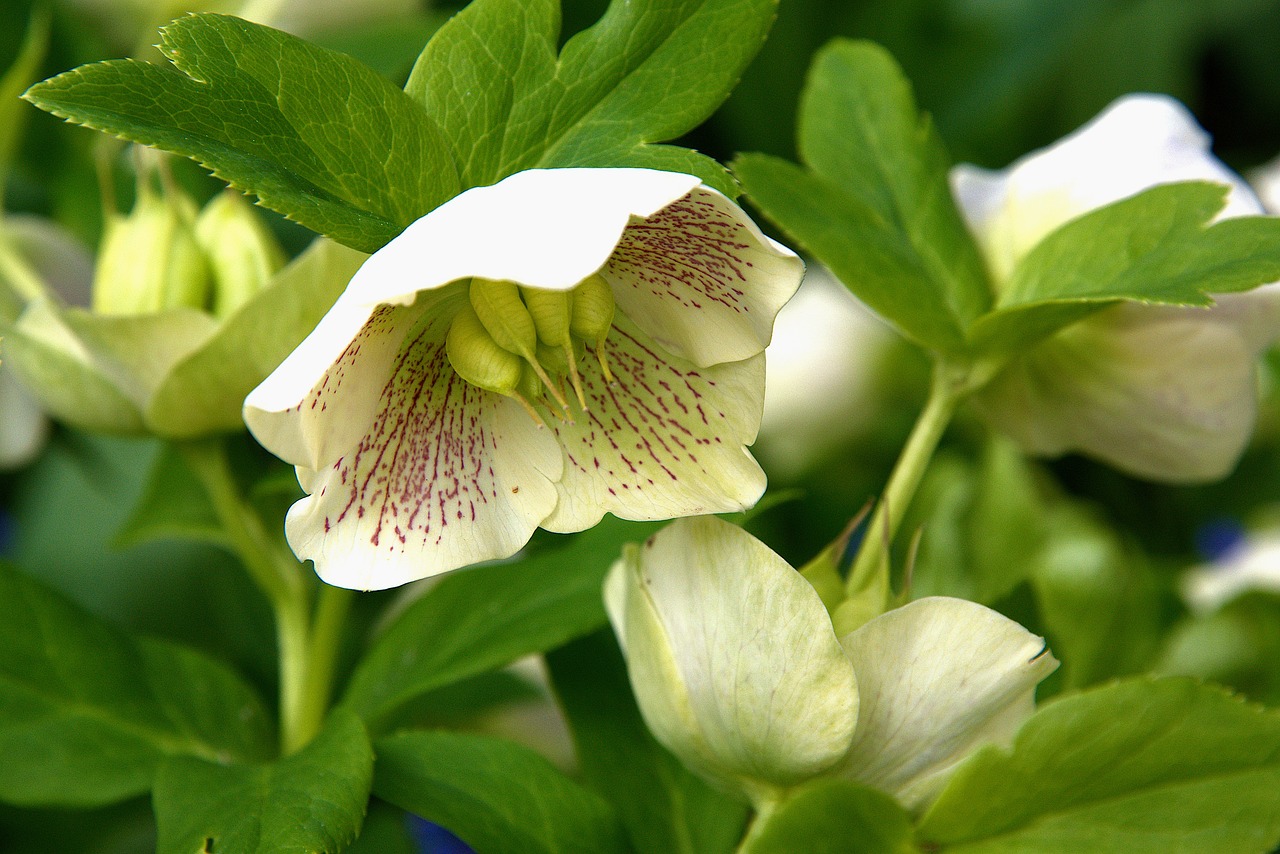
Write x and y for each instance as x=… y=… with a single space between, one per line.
x=736 y=669
x=1162 y=392
x=535 y=353
x=734 y=662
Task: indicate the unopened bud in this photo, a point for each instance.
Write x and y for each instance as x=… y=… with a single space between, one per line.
x=243 y=255
x=149 y=260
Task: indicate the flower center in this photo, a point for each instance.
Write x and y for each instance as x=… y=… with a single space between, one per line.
x=524 y=342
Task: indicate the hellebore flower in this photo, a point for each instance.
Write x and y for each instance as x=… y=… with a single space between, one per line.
x=475 y=382
x=738 y=671
x=1162 y=392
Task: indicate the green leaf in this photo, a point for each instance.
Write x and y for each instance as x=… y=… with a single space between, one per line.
x=874 y=204
x=87 y=713
x=834 y=817
x=174 y=503
x=662 y=806
x=644 y=73
x=496 y=796
x=313 y=133
x=1098 y=598
x=1139 y=766
x=312 y=802
x=479 y=619
x=1156 y=246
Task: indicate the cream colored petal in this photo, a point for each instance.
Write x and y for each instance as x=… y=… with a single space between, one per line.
x=1253 y=565
x=702 y=280
x=1160 y=392
x=732 y=656
x=323 y=397
x=937 y=679
x=23 y=425
x=547 y=228
x=665 y=439
x=446 y=475
x=1139 y=141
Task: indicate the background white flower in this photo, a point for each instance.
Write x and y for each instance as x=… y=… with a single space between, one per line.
x=1161 y=392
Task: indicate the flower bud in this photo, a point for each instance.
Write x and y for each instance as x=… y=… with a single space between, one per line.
x=149 y=259
x=732 y=657
x=243 y=255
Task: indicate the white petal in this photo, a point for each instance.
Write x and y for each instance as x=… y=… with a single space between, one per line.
x=702 y=280
x=937 y=678
x=23 y=426
x=60 y=260
x=666 y=439
x=1254 y=565
x=1139 y=141
x=1160 y=392
x=732 y=656
x=548 y=228
x=447 y=475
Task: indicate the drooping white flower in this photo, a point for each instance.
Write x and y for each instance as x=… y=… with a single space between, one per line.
x=738 y=671
x=1162 y=392
x=475 y=382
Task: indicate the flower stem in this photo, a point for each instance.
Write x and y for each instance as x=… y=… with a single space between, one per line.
x=307 y=653
x=870 y=567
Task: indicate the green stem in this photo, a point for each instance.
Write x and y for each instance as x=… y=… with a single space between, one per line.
x=306 y=659
x=332 y=605
x=945 y=393
x=764 y=810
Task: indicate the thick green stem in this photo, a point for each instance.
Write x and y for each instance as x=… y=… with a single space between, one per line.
x=332 y=605
x=870 y=566
x=306 y=655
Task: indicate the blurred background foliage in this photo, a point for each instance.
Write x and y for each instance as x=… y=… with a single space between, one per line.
x=1084 y=554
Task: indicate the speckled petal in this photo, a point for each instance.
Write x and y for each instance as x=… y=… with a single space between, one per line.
x=322 y=398
x=446 y=475
x=666 y=439
x=702 y=280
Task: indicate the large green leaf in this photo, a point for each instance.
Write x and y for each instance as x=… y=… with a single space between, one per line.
x=831 y=816
x=312 y=802
x=644 y=73
x=662 y=806
x=1157 y=246
x=479 y=619
x=1141 y=766
x=313 y=133
x=498 y=797
x=874 y=203
x=87 y=713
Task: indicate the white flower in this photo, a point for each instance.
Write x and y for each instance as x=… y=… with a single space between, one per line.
x=1161 y=392
x=822 y=368
x=1252 y=564
x=738 y=671
x=413 y=470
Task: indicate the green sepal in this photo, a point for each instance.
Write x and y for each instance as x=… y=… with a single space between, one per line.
x=831 y=816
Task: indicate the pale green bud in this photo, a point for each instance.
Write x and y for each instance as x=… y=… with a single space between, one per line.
x=504 y=315
x=243 y=255
x=551 y=312
x=593 y=308
x=149 y=259
x=477 y=357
